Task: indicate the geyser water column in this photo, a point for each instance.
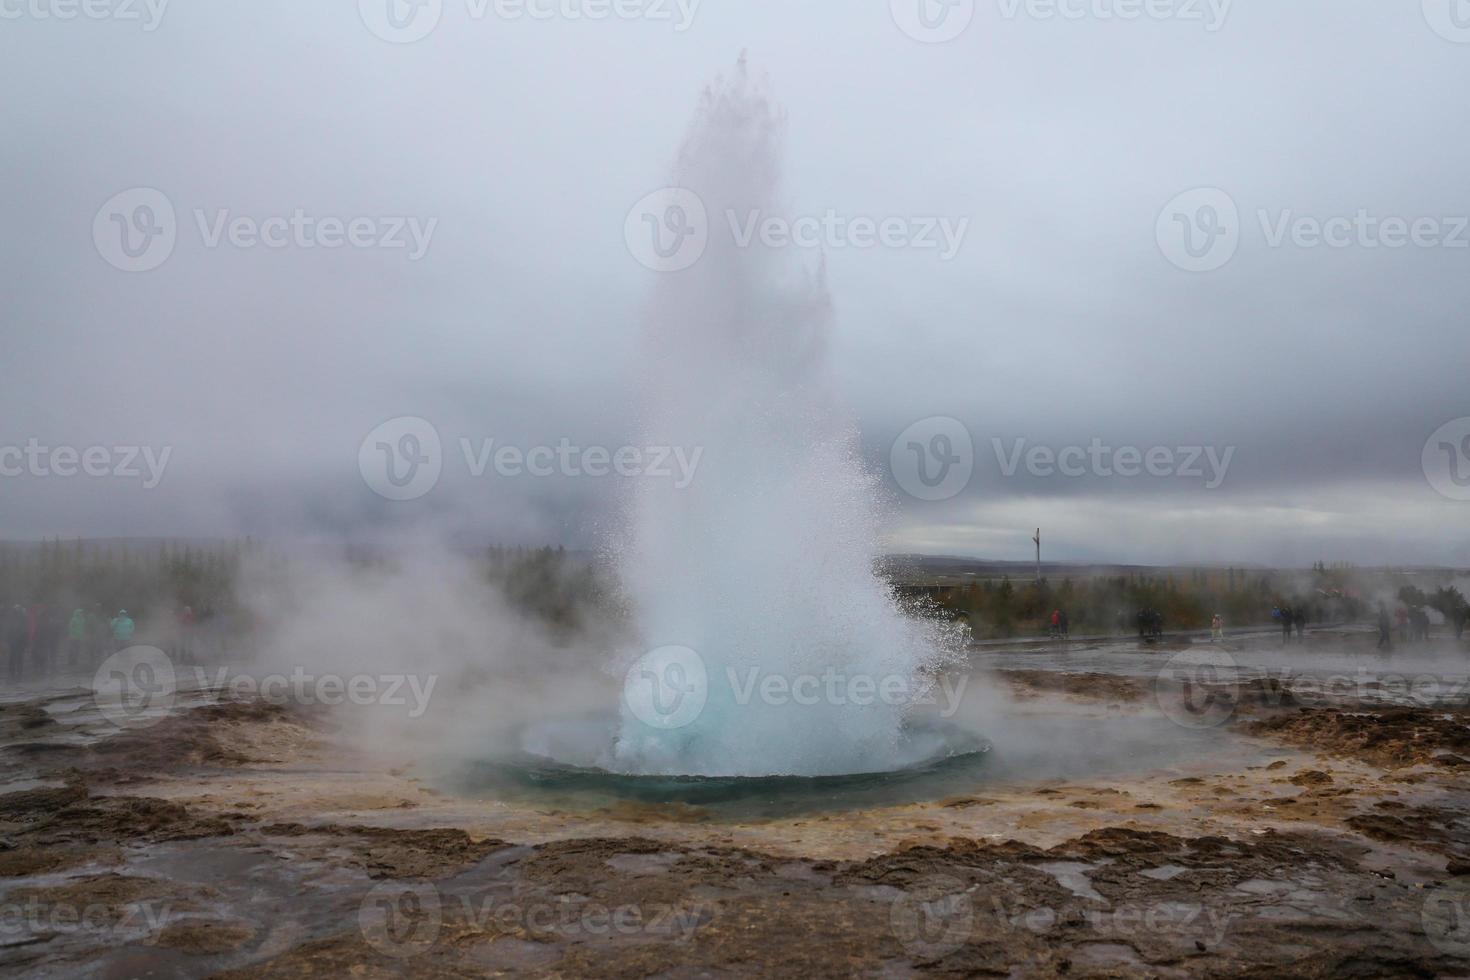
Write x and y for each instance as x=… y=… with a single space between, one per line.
x=763 y=565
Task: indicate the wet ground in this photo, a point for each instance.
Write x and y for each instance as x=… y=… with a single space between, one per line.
x=1180 y=810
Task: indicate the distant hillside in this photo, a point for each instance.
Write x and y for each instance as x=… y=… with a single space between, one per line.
x=932 y=568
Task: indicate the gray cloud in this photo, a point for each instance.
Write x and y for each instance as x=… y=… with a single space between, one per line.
x=1059 y=320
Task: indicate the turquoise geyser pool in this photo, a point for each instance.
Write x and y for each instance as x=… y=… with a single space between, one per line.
x=561 y=763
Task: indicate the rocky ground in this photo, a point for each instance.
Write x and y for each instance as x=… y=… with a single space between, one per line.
x=246 y=839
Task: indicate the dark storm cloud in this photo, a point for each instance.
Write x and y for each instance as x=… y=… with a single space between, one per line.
x=517 y=147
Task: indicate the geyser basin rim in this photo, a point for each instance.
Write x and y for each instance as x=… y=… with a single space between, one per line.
x=586 y=743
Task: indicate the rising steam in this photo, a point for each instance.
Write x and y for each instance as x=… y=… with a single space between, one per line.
x=764 y=565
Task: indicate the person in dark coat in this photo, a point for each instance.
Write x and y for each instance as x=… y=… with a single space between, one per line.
x=1385 y=629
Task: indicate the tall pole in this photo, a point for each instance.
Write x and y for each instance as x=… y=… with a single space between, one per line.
x=1037 y=539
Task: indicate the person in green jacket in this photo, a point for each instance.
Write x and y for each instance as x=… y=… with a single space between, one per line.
x=122 y=629
x=76 y=636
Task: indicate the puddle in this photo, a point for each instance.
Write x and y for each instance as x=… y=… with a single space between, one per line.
x=800 y=872
x=507 y=952
x=1072 y=875
x=1109 y=956
x=1167 y=872
x=644 y=864
x=1261 y=886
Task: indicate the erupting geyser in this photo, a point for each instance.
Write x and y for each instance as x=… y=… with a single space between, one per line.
x=764 y=564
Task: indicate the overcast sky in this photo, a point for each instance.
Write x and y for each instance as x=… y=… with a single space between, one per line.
x=1054 y=140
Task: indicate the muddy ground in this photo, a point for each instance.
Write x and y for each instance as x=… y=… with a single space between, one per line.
x=252 y=840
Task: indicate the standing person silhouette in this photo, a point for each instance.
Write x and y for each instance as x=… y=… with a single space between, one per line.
x=1385 y=629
